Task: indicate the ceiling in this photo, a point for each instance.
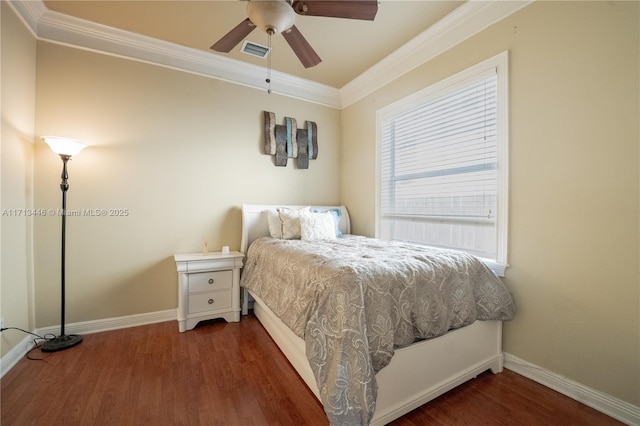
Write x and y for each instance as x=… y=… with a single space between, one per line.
x=347 y=47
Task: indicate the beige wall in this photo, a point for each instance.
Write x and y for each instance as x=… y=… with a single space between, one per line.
x=16 y=176
x=179 y=152
x=574 y=181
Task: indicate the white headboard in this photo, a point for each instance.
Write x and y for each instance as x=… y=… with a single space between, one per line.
x=255 y=225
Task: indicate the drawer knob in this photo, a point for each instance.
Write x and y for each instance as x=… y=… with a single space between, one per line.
x=211 y=280
x=210 y=301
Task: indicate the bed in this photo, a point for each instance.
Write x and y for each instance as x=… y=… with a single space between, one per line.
x=360 y=377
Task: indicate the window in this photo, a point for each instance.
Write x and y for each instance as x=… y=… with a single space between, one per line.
x=442 y=164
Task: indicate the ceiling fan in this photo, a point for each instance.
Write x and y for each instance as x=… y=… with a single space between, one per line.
x=278 y=16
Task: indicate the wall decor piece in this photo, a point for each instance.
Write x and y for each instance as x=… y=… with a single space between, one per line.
x=287 y=141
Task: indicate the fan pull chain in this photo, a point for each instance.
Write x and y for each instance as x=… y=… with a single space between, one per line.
x=270 y=33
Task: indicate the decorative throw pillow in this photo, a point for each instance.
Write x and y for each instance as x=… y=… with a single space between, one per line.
x=317 y=226
x=290 y=219
x=337 y=216
x=275 y=225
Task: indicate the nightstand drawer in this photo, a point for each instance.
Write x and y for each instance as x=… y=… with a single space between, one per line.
x=207 y=281
x=210 y=301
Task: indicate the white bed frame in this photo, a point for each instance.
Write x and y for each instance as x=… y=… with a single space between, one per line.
x=416 y=374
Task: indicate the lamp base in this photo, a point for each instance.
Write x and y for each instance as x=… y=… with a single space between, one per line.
x=60 y=343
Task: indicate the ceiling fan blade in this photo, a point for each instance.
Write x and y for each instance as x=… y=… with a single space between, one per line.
x=349 y=9
x=301 y=47
x=233 y=37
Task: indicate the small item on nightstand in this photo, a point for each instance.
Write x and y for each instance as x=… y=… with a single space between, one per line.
x=205 y=248
x=225 y=249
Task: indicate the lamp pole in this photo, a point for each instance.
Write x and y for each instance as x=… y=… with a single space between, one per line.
x=63 y=147
x=64 y=186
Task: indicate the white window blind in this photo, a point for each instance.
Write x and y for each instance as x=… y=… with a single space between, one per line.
x=438 y=166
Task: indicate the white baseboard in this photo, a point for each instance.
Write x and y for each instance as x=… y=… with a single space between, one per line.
x=614 y=407
x=20 y=350
x=107 y=324
x=12 y=357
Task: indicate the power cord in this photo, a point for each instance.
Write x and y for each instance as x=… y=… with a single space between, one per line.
x=36 y=344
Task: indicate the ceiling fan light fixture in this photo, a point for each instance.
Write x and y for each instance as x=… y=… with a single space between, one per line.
x=271 y=16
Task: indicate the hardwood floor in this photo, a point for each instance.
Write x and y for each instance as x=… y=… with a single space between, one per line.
x=232 y=374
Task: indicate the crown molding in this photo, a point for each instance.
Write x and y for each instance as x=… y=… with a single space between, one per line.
x=67 y=30
x=29 y=12
x=464 y=22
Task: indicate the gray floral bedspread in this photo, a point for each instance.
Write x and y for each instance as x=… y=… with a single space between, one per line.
x=354 y=299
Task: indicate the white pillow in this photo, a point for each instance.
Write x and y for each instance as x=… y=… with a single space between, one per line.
x=317 y=226
x=290 y=219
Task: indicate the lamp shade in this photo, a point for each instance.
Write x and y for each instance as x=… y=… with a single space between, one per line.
x=64 y=146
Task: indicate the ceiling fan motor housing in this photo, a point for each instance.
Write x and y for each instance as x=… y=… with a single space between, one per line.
x=271 y=16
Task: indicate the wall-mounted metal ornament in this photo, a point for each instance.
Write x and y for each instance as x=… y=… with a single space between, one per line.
x=287 y=141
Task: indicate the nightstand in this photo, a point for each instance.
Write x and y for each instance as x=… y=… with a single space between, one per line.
x=208 y=287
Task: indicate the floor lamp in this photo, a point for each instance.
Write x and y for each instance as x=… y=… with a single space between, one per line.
x=65 y=148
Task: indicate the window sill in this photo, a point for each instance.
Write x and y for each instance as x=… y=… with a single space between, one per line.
x=497 y=268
